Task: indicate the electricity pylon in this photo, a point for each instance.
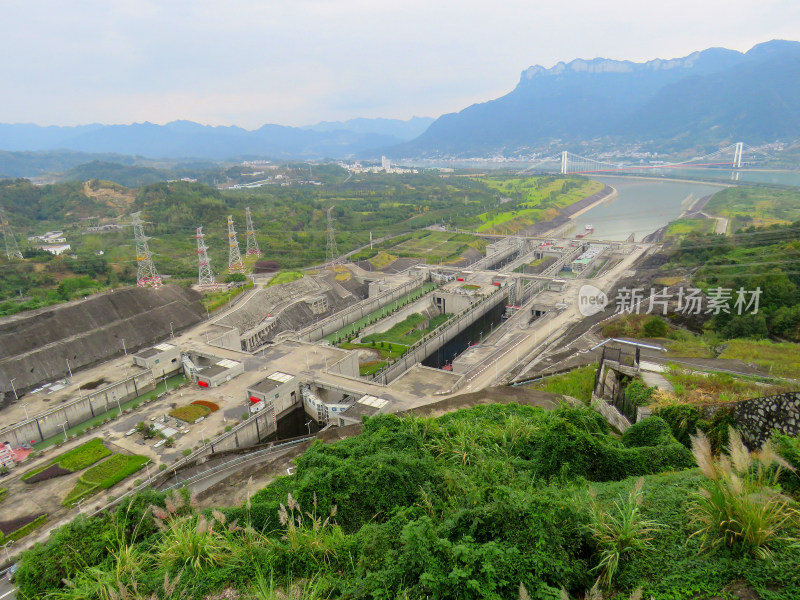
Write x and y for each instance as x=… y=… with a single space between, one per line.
x=235 y=264
x=252 y=242
x=205 y=277
x=332 y=253
x=146 y=274
x=12 y=250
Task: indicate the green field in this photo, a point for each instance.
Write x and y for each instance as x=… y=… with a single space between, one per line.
x=76 y=459
x=532 y=199
x=408 y=331
x=434 y=247
x=105 y=475
x=683 y=227
x=747 y=206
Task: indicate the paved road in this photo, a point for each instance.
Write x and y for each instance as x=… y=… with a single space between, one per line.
x=7 y=590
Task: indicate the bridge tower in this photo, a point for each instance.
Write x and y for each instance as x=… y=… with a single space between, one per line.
x=737 y=155
x=252 y=242
x=12 y=250
x=146 y=274
x=205 y=277
x=564 y=162
x=235 y=264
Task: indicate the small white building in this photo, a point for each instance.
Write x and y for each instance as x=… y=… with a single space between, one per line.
x=54 y=249
x=163 y=359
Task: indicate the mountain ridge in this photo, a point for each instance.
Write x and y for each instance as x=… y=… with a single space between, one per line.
x=602 y=98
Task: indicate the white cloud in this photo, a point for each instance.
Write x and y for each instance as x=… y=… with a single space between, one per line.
x=301 y=61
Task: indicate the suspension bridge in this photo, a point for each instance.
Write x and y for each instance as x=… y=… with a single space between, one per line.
x=735 y=156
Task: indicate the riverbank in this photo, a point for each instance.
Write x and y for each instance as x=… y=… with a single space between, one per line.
x=567 y=214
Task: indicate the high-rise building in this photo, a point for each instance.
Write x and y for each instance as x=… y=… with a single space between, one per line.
x=386 y=164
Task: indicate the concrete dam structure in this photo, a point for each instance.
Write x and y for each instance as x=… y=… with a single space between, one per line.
x=35 y=346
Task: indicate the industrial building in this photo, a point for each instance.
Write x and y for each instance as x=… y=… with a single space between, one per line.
x=162 y=359
x=277 y=392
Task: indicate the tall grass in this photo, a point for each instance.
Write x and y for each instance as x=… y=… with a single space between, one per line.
x=620 y=531
x=740 y=505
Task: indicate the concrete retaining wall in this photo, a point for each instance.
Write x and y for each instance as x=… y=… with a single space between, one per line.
x=351 y=315
x=34 y=346
x=440 y=337
x=72 y=413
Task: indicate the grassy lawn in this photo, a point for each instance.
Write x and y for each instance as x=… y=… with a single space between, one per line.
x=172 y=382
x=284 y=277
x=408 y=331
x=368 y=368
x=76 y=459
x=578 y=383
x=710 y=388
x=781 y=359
x=105 y=475
x=215 y=300
x=386 y=350
x=380 y=313
x=190 y=413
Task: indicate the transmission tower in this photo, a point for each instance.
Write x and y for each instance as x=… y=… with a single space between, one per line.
x=146 y=274
x=252 y=242
x=235 y=264
x=12 y=250
x=332 y=253
x=205 y=278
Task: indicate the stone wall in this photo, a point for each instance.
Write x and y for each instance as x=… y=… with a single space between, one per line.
x=758 y=417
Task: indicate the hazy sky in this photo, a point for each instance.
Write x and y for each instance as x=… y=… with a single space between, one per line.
x=296 y=62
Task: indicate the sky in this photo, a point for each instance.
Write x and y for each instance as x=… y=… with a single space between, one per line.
x=298 y=62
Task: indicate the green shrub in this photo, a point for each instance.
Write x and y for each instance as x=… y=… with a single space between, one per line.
x=789 y=449
x=639 y=393
x=683 y=420
x=620 y=531
x=652 y=431
x=71 y=548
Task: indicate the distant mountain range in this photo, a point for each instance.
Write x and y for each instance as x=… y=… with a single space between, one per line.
x=186 y=139
x=706 y=97
x=402 y=130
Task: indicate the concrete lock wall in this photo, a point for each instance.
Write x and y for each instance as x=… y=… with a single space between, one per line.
x=351 y=315
x=438 y=339
x=47 y=424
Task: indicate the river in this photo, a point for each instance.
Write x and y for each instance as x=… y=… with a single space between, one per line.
x=640 y=207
